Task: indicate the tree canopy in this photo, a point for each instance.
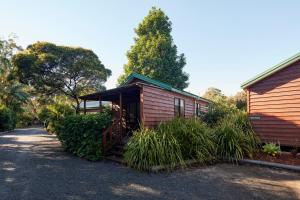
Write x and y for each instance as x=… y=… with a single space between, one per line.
x=154 y=53
x=12 y=93
x=53 y=69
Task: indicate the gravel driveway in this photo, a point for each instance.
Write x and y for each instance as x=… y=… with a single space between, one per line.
x=33 y=166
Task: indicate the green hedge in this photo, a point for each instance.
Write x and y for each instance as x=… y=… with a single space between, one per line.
x=7 y=119
x=82 y=134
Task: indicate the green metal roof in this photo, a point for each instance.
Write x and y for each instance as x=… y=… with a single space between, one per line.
x=271 y=71
x=161 y=85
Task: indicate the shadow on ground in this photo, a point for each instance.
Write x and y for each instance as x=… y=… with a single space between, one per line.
x=34 y=166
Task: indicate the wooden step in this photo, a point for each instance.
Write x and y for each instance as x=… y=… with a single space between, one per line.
x=119 y=147
x=116 y=159
x=116 y=152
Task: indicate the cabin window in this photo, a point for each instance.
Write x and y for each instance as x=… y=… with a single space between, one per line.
x=179 y=107
x=197 y=109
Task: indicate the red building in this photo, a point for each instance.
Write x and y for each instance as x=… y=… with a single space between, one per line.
x=145 y=101
x=273 y=99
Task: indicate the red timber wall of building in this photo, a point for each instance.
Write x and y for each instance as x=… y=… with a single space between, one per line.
x=158 y=105
x=274 y=106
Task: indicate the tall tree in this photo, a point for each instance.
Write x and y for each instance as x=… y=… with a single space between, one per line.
x=214 y=94
x=12 y=93
x=154 y=53
x=239 y=100
x=53 y=69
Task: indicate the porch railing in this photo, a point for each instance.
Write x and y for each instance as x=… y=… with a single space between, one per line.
x=112 y=135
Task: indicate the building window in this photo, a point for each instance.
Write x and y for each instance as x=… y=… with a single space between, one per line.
x=197 y=109
x=179 y=107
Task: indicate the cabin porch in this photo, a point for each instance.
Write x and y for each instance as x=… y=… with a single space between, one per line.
x=125 y=103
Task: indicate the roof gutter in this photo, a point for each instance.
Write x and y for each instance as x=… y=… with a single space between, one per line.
x=271 y=71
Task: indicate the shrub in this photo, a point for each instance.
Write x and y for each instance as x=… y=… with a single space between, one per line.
x=193 y=136
x=7 y=119
x=234 y=137
x=82 y=134
x=25 y=119
x=271 y=149
x=53 y=115
x=147 y=148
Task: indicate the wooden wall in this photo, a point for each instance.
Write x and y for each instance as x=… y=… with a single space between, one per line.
x=158 y=105
x=274 y=106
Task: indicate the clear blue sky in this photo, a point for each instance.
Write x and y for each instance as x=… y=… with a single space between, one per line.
x=225 y=42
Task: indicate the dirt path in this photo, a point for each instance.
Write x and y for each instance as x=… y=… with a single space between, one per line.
x=33 y=166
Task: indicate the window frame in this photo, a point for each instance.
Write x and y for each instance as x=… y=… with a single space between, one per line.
x=179 y=110
x=197 y=109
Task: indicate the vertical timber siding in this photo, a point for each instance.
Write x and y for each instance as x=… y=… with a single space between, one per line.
x=274 y=106
x=158 y=105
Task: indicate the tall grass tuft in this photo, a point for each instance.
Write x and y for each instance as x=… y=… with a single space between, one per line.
x=235 y=138
x=194 y=137
x=147 y=148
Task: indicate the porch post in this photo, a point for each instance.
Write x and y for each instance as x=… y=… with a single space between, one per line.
x=100 y=105
x=121 y=113
x=141 y=107
x=84 y=106
x=248 y=101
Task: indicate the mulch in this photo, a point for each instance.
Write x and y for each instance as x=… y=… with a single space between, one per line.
x=283 y=158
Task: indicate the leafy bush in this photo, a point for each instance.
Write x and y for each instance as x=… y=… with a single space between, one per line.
x=82 y=134
x=216 y=112
x=193 y=136
x=7 y=119
x=147 y=148
x=53 y=115
x=234 y=137
x=271 y=149
x=25 y=119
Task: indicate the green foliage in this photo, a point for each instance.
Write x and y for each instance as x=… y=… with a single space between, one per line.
x=53 y=69
x=239 y=100
x=147 y=148
x=234 y=137
x=25 y=119
x=219 y=107
x=12 y=93
x=215 y=113
x=154 y=53
x=272 y=149
x=194 y=137
x=53 y=115
x=82 y=134
x=7 y=119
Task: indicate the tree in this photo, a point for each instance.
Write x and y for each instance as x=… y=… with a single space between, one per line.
x=13 y=93
x=154 y=53
x=57 y=70
x=218 y=108
x=215 y=95
x=239 y=100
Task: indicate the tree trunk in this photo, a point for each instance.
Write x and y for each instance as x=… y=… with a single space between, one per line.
x=77 y=109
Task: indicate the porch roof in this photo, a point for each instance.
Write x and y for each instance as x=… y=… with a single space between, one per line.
x=112 y=94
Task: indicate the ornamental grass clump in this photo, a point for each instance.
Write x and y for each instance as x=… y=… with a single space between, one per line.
x=234 y=138
x=147 y=149
x=194 y=138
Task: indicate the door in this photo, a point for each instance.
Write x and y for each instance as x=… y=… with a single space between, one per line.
x=132 y=117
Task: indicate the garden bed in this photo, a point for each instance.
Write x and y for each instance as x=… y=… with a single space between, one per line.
x=282 y=158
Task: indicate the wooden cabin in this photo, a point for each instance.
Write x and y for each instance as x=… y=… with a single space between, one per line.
x=273 y=99
x=142 y=100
